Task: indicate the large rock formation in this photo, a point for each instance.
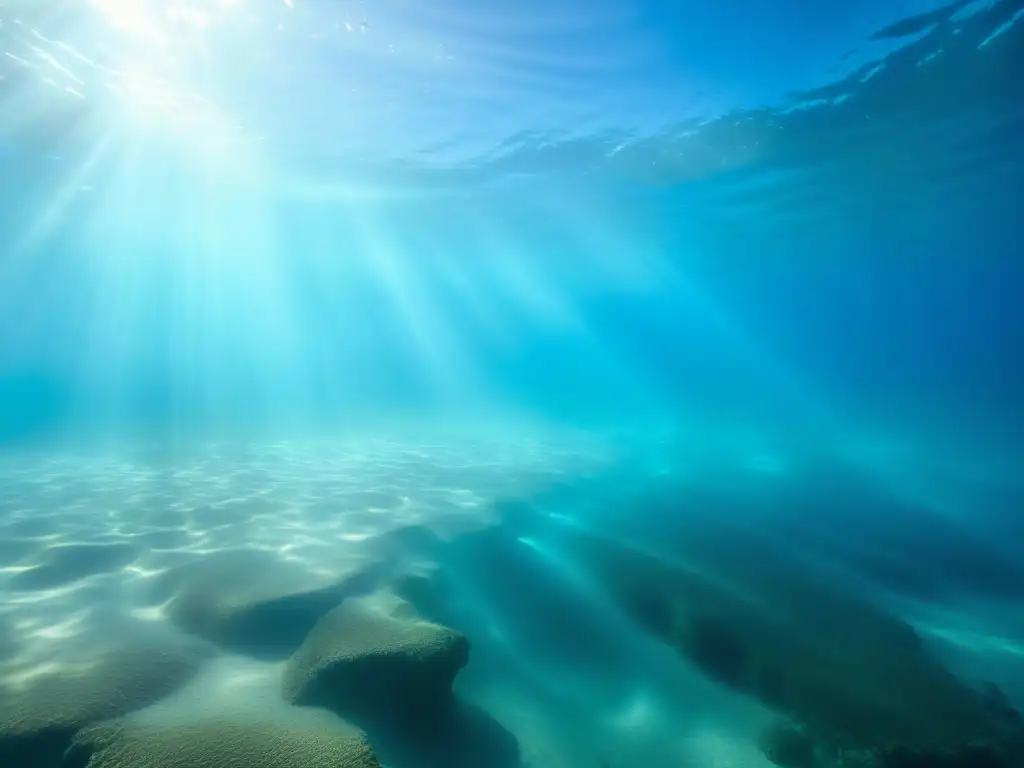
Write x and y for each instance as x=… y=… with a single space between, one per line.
x=39 y=713
x=764 y=618
x=303 y=739
x=375 y=662
x=253 y=602
x=373 y=656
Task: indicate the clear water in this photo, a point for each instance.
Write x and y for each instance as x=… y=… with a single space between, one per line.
x=668 y=352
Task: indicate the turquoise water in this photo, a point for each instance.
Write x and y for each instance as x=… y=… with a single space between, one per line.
x=551 y=385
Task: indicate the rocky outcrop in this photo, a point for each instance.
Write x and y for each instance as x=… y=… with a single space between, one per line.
x=304 y=739
x=253 y=602
x=40 y=714
x=762 y=619
x=375 y=662
x=373 y=657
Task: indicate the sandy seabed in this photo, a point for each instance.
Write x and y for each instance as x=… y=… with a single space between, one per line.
x=171 y=594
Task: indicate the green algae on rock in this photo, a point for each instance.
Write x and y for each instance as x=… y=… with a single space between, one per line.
x=255 y=603
x=372 y=655
x=306 y=738
x=39 y=716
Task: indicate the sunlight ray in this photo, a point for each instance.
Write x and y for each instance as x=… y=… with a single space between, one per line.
x=400 y=271
x=50 y=218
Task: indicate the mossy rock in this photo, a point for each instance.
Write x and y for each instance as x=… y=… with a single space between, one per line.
x=373 y=656
x=254 y=603
x=303 y=739
x=377 y=663
x=788 y=746
x=38 y=717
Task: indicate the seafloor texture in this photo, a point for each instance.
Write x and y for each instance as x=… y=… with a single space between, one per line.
x=468 y=604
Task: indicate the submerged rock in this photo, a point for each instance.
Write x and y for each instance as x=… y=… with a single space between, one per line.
x=40 y=714
x=304 y=739
x=375 y=662
x=788 y=746
x=254 y=602
x=752 y=614
x=373 y=657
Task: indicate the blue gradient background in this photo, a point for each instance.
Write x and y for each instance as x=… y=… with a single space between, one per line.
x=782 y=233
x=600 y=215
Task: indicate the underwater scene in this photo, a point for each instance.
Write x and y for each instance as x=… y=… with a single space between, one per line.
x=537 y=384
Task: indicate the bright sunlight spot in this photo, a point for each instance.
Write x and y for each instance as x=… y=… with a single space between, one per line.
x=129 y=16
x=169 y=64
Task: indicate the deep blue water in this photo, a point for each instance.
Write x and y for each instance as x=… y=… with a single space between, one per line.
x=725 y=286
